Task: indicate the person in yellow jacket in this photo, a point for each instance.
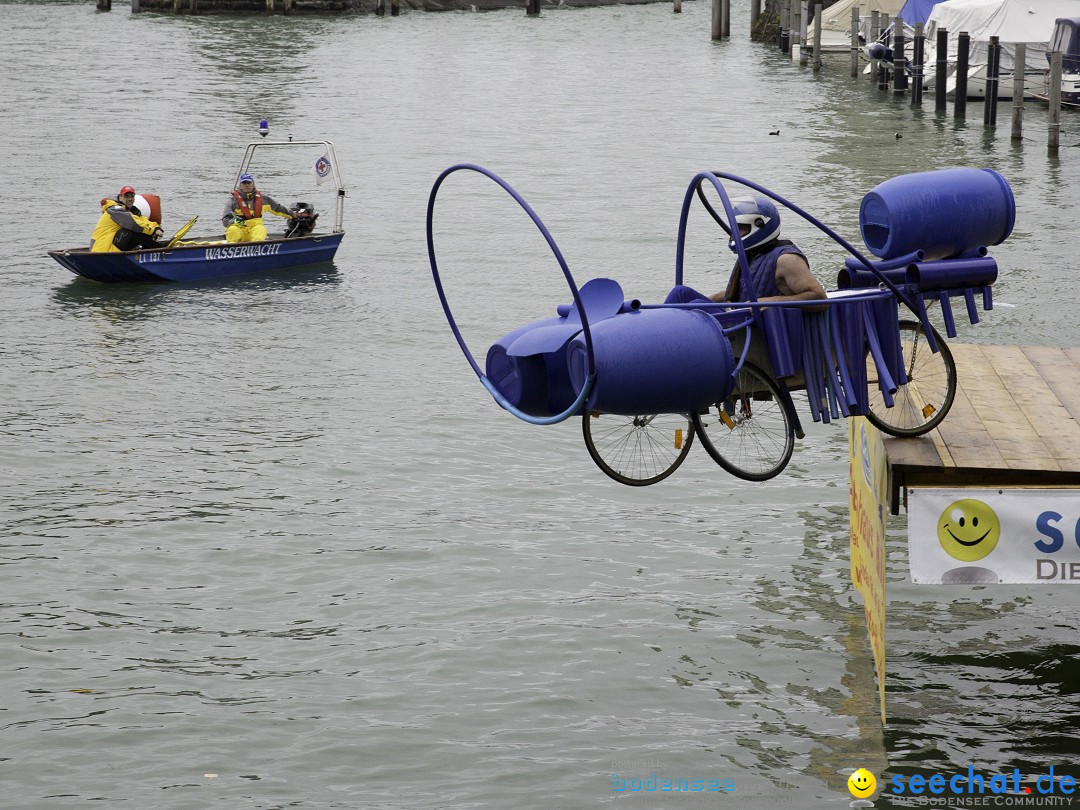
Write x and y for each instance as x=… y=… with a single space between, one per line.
x=243 y=212
x=122 y=226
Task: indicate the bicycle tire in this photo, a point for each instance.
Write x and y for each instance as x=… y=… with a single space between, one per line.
x=637 y=450
x=921 y=404
x=750 y=433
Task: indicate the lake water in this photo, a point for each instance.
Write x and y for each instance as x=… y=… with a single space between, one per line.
x=268 y=543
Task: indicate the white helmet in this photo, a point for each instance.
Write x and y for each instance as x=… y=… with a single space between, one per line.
x=760 y=215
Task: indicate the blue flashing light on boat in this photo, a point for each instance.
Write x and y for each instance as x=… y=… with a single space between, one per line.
x=264 y=128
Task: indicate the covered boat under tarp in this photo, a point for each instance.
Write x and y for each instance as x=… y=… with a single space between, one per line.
x=1011 y=21
x=917 y=11
x=836 y=22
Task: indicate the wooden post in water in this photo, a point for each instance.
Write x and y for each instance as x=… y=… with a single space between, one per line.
x=678 y=6
x=875 y=31
x=885 y=65
x=755 y=15
x=1020 y=58
x=380 y=8
x=104 y=5
x=797 y=40
x=269 y=6
x=785 y=27
x=716 y=20
x=917 y=58
x=395 y=8
x=855 y=41
x=899 y=61
x=941 y=69
x=532 y=8
x=725 y=25
x=993 y=64
x=1054 y=117
x=818 y=11
x=804 y=49
x=963 y=46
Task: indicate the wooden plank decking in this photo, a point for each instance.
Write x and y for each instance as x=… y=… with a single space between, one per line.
x=1015 y=422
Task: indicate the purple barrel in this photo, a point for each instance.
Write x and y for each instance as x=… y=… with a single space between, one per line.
x=941 y=213
x=655 y=361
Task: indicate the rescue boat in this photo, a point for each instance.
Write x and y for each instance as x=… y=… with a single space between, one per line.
x=202 y=258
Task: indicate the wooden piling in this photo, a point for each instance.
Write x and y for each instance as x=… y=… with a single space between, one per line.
x=785 y=27
x=380 y=8
x=804 y=49
x=1020 y=58
x=395 y=8
x=899 y=62
x=1054 y=115
x=963 y=46
x=875 y=32
x=532 y=8
x=716 y=29
x=798 y=42
x=993 y=64
x=854 y=42
x=917 y=57
x=755 y=15
x=818 y=12
x=941 y=70
x=104 y=5
x=678 y=6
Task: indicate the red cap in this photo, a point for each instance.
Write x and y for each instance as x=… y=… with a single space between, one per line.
x=126 y=190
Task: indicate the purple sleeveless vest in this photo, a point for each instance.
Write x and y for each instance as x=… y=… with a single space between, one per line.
x=763 y=272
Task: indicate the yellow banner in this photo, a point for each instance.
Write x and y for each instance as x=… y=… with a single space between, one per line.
x=868 y=481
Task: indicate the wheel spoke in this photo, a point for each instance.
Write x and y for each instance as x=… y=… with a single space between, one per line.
x=920 y=404
x=637 y=450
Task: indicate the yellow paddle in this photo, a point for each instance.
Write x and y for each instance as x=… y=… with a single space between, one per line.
x=180 y=234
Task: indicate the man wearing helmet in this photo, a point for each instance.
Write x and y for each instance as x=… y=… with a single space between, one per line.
x=243 y=212
x=778 y=270
x=122 y=226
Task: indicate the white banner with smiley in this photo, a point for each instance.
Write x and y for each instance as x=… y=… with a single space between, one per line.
x=968 y=536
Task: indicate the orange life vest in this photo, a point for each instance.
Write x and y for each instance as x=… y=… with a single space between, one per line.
x=245 y=212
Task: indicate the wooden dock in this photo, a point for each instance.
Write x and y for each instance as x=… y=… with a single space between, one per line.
x=1015 y=422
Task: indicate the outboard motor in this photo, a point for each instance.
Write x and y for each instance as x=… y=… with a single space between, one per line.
x=302 y=222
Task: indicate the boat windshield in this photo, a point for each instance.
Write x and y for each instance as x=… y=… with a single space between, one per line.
x=1067 y=40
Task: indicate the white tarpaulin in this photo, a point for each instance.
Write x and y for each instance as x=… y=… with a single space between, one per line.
x=837 y=17
x=1012 y=21
x=991 y=536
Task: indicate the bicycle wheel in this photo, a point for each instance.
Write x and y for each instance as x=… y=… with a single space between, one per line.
x=921 y=404
x=637 y=450
x=749 y=434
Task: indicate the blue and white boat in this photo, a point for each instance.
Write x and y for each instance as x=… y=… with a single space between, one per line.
x=1066 y=39
x=204 y=258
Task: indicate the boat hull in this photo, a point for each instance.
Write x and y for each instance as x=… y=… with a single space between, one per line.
x=199 y=262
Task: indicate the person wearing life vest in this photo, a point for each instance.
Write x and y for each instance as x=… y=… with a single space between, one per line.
x=778 y=269
x=123 y=226
x=244 y=211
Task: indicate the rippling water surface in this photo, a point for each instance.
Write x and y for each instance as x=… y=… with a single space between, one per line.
x=268 y=543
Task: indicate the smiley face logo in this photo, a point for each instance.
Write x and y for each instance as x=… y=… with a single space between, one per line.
x=968 y=530
x=861 y=783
